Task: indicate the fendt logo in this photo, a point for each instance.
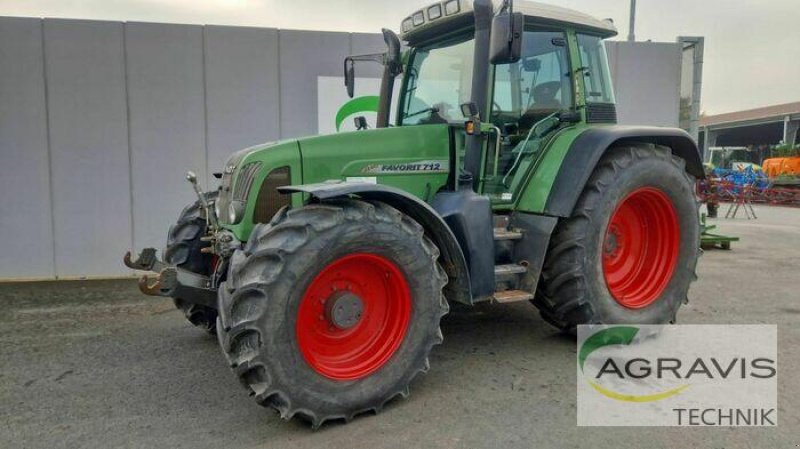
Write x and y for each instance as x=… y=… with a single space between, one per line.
x=677 y=375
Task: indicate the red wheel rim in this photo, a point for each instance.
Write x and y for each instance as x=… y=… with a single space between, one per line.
x=640 y=249
x=377 y=302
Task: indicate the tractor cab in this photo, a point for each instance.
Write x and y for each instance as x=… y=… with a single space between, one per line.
x=543 y=69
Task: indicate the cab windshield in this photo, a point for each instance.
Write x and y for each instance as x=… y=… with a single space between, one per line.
x=439 y=79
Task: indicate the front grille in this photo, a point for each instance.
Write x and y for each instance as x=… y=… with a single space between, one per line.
x=269 y=201
x=245 y=180
x=601 y=113
x=227 y=192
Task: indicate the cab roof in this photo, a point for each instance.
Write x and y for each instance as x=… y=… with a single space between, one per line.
x=450 y=14
x=566 y=16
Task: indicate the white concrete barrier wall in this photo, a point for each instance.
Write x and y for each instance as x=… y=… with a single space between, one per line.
x=100 y=120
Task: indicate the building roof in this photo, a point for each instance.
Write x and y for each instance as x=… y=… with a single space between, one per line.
x=777 y=112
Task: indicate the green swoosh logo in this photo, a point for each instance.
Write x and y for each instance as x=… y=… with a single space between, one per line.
x=619 y=335
x=368 y=103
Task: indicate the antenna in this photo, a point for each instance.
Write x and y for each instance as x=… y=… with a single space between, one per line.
x=632 y=23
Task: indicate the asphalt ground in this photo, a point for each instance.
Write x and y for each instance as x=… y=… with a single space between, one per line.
x=95 y=364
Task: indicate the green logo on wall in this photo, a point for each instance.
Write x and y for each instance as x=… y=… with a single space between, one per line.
x=367 y=103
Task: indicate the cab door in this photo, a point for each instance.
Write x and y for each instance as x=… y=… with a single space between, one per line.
x=526 y=98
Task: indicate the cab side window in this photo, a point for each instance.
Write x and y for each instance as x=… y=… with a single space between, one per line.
x=597 y=78
x=527 y=95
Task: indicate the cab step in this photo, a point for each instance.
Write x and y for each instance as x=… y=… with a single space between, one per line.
x=509 y=296
x=506 y=234
x=509 y=269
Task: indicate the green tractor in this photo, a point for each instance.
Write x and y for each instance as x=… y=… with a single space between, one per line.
x=325 y=264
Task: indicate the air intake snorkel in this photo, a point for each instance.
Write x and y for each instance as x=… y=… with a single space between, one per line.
x=391 y=68
x=483 y=11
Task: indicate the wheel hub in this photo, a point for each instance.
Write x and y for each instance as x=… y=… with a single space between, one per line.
x=344 y=309
x=353 y=316
x=640 y=249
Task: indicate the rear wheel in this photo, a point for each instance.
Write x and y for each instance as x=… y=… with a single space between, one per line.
x=628 y=252
x=183 y=250
x=331 y=309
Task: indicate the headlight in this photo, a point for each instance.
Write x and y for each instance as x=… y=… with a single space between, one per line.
x=235 y=211
x=418 y=18
x=451 y=7
x=434 y=12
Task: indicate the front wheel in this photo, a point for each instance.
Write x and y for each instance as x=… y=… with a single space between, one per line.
x=331 y=309
x=184 y=250
x=628 y=252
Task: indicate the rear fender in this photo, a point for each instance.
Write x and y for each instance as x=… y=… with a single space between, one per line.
x=589 y=147
x=451 y=257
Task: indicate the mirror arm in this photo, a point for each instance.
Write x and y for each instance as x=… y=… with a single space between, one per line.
x=380 y=58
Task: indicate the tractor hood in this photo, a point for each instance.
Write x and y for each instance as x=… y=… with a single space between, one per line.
x=385 y=154
x=370 y=153
x=415 y=159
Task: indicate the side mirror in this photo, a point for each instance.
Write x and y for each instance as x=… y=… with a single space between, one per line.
x=469 y=110
x=349 y=76
x=506 y=43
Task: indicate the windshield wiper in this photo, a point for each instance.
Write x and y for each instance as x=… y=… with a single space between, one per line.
x=431 y=110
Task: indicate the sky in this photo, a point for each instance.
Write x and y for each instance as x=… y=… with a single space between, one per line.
x=752 y=55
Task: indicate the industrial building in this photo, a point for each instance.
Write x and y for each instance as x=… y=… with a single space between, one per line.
x=771 y=125
x=100 y=120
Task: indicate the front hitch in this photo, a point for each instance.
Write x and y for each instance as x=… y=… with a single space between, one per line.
x=171 y=281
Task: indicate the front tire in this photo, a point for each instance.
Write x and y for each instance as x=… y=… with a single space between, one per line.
x=183 y=250
x=332 y=309
x=628 y=252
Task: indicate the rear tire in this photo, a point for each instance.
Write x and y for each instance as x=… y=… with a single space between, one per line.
x=277 y=308
x=183 y=250
x=583 y=280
